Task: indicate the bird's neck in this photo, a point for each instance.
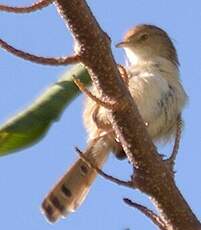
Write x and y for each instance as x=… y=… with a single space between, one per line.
x=151 y=63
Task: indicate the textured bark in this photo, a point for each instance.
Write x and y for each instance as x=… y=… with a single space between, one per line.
x=151 y=175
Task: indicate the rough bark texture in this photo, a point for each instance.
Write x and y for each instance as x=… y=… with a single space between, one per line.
x=151 y=175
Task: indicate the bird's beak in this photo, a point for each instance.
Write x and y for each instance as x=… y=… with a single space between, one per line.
x=121 y=44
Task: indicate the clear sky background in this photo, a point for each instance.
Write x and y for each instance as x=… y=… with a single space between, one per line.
x=26 y=176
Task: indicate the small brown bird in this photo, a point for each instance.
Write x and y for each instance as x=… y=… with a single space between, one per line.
x=156 y=88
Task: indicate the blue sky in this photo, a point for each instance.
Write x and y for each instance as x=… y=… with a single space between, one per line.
x=25 y=177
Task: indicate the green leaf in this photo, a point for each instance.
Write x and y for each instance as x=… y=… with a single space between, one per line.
x=29 y=126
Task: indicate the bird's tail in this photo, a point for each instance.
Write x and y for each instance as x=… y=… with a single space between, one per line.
x=71 y=190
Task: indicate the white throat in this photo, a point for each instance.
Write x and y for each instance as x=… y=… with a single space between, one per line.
x=150 y=65
x=132 y=57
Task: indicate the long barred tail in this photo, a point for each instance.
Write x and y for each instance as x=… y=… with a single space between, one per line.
x=71 y=190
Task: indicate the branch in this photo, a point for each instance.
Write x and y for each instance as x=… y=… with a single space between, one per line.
x=40 y=60
x=147 y=212
x=151 y=174
x=123 y=73
x=115 y=180
x=83 y=89
x=26 y=9
x=170 y=162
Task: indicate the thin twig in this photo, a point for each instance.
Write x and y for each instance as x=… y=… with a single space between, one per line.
x=128 y=184
x=81 y=86
x=38 y=59
x=26 y=9
x=147 y=212
x=123 y=73
x=171 y=160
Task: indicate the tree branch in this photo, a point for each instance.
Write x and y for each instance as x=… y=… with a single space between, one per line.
x=83 y=89
x=115 y=180
x=147 y=212
x=170 y=162
x=26 y=9
x=38 y=59
x=151 y=174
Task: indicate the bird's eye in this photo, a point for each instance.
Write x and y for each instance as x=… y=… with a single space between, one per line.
x=143 y=37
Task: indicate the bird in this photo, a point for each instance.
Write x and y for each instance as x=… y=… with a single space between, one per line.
x=154 y=83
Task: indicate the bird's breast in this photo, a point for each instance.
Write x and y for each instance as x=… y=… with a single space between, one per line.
x=159 y=97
